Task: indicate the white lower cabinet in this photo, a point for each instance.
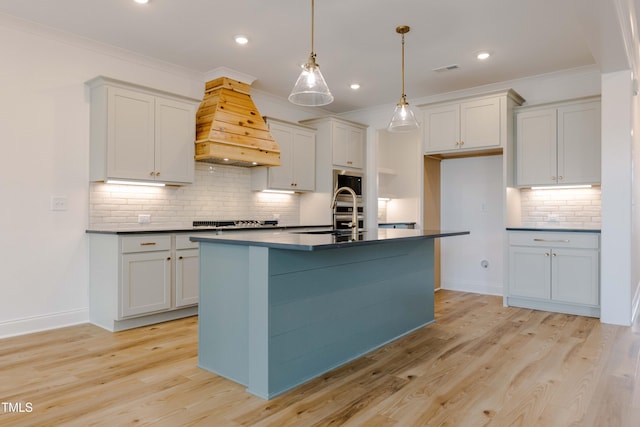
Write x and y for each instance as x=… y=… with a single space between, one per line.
x=186 y=271
x=142 y=279
x=554 y=271
x=146 y=280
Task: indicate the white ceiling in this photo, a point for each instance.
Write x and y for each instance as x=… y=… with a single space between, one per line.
x=355 y=40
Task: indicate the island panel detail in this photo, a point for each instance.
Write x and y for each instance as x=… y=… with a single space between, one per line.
x=272 y=318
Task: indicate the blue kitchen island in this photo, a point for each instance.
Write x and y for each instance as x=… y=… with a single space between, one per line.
x=280 y=308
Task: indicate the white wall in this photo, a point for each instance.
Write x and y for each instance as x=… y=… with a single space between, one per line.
x=635 y=213
x=617 y=183
x=399 y=176
x=44 y=136
x=472 y=200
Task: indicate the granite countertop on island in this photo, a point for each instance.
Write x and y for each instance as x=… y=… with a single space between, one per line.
x=303 y=241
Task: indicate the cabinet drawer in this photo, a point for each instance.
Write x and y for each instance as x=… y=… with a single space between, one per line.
x=146 y=243
x=183 y=242
x=553 y=239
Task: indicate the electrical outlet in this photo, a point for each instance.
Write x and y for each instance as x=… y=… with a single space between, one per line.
x=144 y=219
x=58 y=203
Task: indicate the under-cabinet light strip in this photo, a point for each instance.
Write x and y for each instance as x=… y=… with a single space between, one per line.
x=560 y=187
x=149 y=184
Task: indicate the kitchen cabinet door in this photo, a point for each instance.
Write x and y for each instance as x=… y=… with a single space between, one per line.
x=281 y=177
x=529 y=272
x=297 y=157
x=575 y=276
x=130 y=135
x=348 y=145
x=579 y=144
x=174 y=141
x=442 y=128
x=146 y=282
x=187 y=277
x=480 y=123
x=304 y=160
x=536 y=151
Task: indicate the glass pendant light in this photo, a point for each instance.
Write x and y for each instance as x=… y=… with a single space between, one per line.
x=310 y=89
x=403 y=119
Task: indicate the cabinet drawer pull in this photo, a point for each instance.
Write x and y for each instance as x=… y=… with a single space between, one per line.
x=180 y=257
x=552 y=240
x=147 y=244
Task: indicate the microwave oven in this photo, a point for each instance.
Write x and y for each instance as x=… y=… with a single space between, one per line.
x=353 y=180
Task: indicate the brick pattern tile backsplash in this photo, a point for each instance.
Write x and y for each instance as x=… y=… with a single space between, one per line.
x=218 y=193
x=562 y=208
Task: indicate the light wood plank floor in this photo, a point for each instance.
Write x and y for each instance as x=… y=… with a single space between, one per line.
x=480 y=364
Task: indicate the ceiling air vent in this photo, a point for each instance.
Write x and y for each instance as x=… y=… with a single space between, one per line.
x=446 y=68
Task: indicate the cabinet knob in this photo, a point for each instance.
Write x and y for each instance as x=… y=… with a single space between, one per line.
x=349 y=162
x=461 y=143
x=546 y=254
x=555 y=254
x=168 y=258
x=180 y=257
x=553 y=178
x=560 y=178
x=157 y=173
x=457 y=143
x=151 y=173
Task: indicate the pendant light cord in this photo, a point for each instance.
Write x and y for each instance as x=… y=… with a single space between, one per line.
x=403 y=94
x=312 y=25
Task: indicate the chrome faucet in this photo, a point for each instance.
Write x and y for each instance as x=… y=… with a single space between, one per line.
x=354 y=214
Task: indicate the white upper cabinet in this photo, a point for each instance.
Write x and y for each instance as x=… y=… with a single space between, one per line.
x=139 y=134
x=297 y=171
x=348 y=145
x=468 y=125
x=558 y=144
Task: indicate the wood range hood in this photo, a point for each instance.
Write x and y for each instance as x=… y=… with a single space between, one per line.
x=229 y=128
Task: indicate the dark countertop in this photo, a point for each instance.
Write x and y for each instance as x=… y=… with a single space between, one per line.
x=313 y=242
x=563 y=230
x=160 y=230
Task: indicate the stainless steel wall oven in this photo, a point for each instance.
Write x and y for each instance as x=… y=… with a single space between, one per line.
x=342 y=213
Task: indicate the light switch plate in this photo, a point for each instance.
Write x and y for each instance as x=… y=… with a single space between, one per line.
x=58 y=203
x=144 y=219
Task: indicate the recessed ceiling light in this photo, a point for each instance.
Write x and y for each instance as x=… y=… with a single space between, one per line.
x=141 y=1
x=355 y=86
x=241 y=39
x=483 y=55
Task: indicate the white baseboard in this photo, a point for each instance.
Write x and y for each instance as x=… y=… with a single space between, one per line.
x=473 y=287
x=33 y=324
